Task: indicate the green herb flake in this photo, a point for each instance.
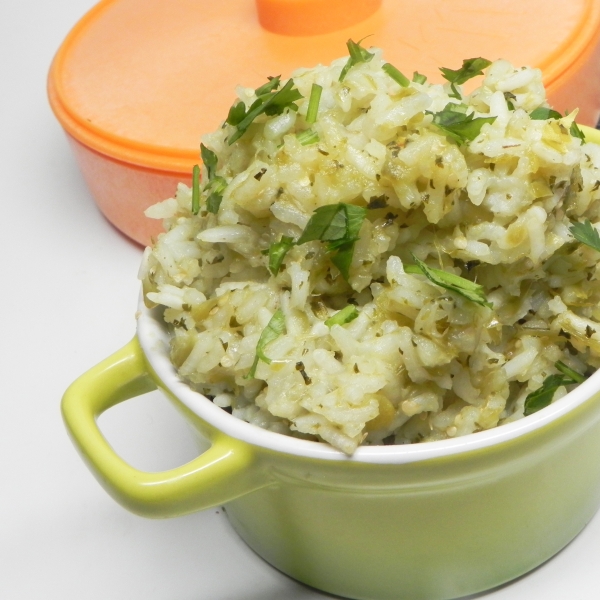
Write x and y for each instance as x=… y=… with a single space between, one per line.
x=419 y=78
x=338 y=225
x=471 y=67
x=277 y=253
x=236 y=114
x=542 y=397
x=274 y=328
x=313 y=103
x=468 y=289
x=195 y=190
x=270 y=103
x=307 y=137
x=586 y=233
x=396 y=75
x=357 y=55
x=458 y=125
x=347 y=314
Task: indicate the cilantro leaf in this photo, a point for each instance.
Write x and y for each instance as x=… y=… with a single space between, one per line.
x=575 y=131
x=468 y=289
x=275 y=327
x=209 y=158
x=357 y=55
x=586 y=233
x=471 y=67
x=338 y=225
x=268 y=87
x=195 y=190
x=458 y=125
x=419 y=78
x=396 y=75
x=277 y=252
x=347 y=314
x=270 y=103
x=542 y=113
x=542 y=397
x=236 y=114
x=217 y=187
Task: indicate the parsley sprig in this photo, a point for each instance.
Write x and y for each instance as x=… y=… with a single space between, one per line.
x=468 y=289
x=542 y=397
x=275 y=327
x=269 y=101
x=457 y=124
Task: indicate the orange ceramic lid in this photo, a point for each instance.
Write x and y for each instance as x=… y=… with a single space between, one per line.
x=142 y=80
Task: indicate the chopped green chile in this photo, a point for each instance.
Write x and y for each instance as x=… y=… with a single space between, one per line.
x=346 y=315
x=464 y=287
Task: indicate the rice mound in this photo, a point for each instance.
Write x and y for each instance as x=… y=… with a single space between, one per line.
x=419 y=362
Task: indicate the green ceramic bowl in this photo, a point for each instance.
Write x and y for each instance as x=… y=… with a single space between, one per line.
x=422 y=522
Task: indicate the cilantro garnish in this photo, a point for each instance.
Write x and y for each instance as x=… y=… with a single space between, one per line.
x=542 y=397
x=215 y=186
x=471 y=67
x=586 y=233
x=458 y=125
x=357 y=55
x=466 y=288
x=419 y=78
x=195 y=190
x=347 y=314
x=277 y=252
x=313 y=103
x=542 y=113
x=209 y=158
x=268 y=101
x=339 y=226
x=396 y=75
x=275 y=327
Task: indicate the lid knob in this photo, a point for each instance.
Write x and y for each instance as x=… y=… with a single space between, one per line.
x=312 y=17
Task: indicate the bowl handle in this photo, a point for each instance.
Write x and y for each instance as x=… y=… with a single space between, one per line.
x=224 y=472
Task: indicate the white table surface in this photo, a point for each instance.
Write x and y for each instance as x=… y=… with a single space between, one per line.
x=68 y=298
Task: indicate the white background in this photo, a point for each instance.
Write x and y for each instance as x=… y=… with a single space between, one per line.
x=68 y=294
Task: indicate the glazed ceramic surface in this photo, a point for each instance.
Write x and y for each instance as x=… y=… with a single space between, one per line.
x=431 y=521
